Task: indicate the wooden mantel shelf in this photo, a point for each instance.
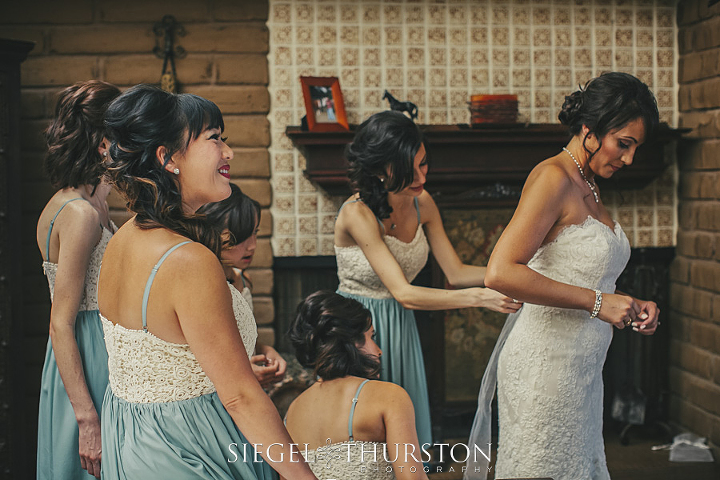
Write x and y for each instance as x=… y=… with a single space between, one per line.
x=464 y=158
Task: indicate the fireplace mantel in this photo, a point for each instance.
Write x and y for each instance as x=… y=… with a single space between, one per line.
x=496 y=158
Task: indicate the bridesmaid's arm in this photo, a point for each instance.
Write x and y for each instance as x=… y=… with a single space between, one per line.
x=203 y=306
x=457 y=273
x=78 y=233
x=358 y=222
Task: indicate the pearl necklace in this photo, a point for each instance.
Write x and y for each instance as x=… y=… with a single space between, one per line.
x=591 y=185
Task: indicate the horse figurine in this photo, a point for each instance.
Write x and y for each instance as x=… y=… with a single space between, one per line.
x=399 y=106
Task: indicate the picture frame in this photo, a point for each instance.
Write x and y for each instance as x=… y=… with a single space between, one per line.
x=324 y=104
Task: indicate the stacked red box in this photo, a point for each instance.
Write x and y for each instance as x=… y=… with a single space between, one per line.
x=493 y=109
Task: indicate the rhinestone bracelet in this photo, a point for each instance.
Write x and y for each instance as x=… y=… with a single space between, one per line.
x=598 y=304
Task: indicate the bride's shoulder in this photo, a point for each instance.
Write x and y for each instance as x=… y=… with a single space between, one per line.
x=549 y=174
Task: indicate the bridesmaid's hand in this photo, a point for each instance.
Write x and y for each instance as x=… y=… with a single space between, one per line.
x=265 y=370
x=618 y=310
x=648 y=318
x=90 y=445
x=274 y=357
x=496 y=301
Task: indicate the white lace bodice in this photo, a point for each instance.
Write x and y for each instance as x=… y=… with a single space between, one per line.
x=357 y=277
x=588 y=255
x=351 y=461
x=550 y=388
x=247 y=295
x=89 y=299
x=146 y=369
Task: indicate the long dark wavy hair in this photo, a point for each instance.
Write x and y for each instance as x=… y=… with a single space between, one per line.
x=75 y=133
x=387 y=142
x=609 y=102
x=326 y=333
x=238 y=215
x=138 y=122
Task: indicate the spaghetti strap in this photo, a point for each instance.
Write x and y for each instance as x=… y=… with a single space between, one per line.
x=352 y=409
x=52 y=223
x=341 y=206
x=354 y=201
x=417 y=209
x=146 y=294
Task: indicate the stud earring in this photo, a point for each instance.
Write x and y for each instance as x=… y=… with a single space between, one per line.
x=176 y=171
x=105 y=154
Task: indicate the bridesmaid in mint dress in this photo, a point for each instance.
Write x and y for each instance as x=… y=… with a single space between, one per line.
x=239 y=218
x=72 y=233
x=183 y=402
x=383 y=235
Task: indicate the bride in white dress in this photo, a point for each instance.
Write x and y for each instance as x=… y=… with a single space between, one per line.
x=561 y=254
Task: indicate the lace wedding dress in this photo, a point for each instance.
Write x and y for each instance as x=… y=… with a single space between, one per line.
x=549 y=365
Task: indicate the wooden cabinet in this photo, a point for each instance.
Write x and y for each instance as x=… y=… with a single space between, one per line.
x=13 y=422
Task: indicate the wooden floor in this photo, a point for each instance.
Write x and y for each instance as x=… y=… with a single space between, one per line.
x=635 y=461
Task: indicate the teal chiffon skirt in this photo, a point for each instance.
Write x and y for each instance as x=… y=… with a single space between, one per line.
x=402 y=360
x=186 y=439
x=58 y=454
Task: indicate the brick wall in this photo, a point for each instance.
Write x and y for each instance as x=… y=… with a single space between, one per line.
x=695 y=276
x=227 y=44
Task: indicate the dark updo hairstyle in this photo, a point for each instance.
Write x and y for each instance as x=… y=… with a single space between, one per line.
x=387 y=141
x=138 y=122
x=76 y=132
x=326 y=333
x=607 y=103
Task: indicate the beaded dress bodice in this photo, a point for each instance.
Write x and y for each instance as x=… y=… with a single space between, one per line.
x=89 y=299
x=351 y=461
x=146 y=369
x=357 y=276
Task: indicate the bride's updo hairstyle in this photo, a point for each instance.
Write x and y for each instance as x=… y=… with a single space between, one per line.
x=138 y=122
x=608 y=103
x=387 y=142
x=326 y=334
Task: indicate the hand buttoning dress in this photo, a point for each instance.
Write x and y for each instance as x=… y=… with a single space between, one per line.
x=395 y=329
x=162 y=418
x=58 y=448
x=549 y=367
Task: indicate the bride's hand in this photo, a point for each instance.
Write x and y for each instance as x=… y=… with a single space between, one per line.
x=647 y=320
x=618 y=310
x=496 y=301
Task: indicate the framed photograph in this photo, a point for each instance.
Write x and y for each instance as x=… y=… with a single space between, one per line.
x=324 y=105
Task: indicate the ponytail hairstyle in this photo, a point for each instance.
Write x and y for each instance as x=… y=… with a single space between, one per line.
x=384 y=147
x=138 y=122
x=326 y=334
x=238 y=215
x=76 y=132
x=609 y=102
